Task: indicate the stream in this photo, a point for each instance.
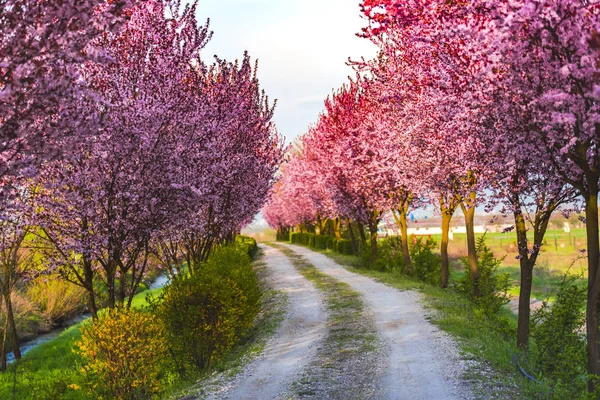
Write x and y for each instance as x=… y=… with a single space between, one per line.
x=159 y=282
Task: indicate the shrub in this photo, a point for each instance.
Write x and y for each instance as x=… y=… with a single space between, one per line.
x=28 y=319
x=427 y=264
x=247 y=244
x=493 y=286
x=323 y=242
x=206 y=314
x=282 y=236
x=123 y=353
x=343 y=246
x=389 y=255
x=301 y=238
x=559 y=346
x=233 y=264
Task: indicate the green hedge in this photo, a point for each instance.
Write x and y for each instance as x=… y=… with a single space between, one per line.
x=205 y=314
x=343 y=246
x=282 y=236
x=247 y=244
x=300 y=238
x=322 y=242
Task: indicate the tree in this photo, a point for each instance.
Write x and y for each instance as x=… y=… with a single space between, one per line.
x=425 y=70
x=42 y=46
x=227 y=163
x=525 y=183
x=340 y=148
x=115 y=191
x=554 y=63
x=15 y=264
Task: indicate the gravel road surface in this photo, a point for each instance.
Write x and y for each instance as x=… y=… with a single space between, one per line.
x=294 y=345
x=421 y=361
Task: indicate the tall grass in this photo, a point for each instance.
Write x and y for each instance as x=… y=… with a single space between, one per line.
x=56 y=299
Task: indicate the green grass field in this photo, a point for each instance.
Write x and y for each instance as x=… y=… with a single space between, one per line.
x=560 y=253
x=560 y=249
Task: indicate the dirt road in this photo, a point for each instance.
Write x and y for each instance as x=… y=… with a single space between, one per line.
x=416 y=361
x=294 y=345
x=422 y=362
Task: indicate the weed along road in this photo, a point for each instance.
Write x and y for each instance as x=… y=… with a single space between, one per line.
x=293 y=346
x=420 y=361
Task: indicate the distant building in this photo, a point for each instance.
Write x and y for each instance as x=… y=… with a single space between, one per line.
x=433 y=226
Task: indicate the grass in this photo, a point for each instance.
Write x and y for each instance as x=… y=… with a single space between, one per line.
x=559 y=254
x=350 y=340
x=559 y=247
x=480 y=338
x=51 y=370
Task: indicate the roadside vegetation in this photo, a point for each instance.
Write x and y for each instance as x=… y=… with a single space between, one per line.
x=53 y=369
x=224 y=370
x=120 y=163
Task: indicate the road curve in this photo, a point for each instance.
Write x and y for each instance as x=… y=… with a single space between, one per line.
x=422 y=363
x=295 y=343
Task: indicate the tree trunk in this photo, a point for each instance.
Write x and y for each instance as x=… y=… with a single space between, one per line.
x=469 y=213
x=110 y=281
x=526 y=281
x=361 y=231
x=373 y=222
x=401 y=221
x=527 y=262
x=337 y=228
x=12 y=327
x=205 y=251
x=447 y=209
x=321 y=225
x=445 y=272
x=524 y=301
x=88 y=284
x=122 y=288
x=136 y=279
x=92 y=305
x=352 y=237
x=593 y=244
x=3 y=362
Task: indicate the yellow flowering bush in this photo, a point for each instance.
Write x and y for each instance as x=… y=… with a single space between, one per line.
x=123 y=353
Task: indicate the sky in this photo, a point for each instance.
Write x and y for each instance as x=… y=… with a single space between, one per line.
x=302 y=48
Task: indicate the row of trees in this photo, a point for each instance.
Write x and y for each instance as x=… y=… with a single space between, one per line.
x=467 y=103
x=122 y=147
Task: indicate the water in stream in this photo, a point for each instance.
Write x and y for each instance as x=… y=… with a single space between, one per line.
x=159 y=282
